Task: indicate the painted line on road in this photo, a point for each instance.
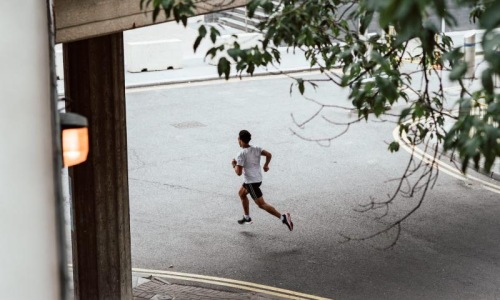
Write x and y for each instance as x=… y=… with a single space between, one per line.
x=444 y=167
x=243 y=285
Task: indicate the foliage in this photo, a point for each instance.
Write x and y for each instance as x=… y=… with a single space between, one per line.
x=180 y=10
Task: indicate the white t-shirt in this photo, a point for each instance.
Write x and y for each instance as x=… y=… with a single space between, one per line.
x=249 y=159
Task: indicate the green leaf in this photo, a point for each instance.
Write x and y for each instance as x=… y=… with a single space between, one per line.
x=234 y=53
x=365 y=21
x=197 y=43
x=167 y=5
x=268 y=6
x=276 y=55
x=487 y=80
x=224 y=67
x=394 y=146
x=476 y=13
x=202 y=31
x=491 y=17
x=404 y=113
x=156 y=12
x=300 y=83
x=144 y=6
x=251 y=69
x=212 y=52
x=252 y=7
x=184 y=20
x=404 y=128
x=213 y=34
x=458 y=71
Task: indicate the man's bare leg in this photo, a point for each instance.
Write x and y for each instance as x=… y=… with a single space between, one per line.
x=267 y=207
x=244 y=200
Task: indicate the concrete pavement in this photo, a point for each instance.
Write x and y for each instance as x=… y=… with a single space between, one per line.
x=194 y=72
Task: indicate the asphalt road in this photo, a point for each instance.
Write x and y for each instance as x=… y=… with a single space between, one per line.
x=184 y=204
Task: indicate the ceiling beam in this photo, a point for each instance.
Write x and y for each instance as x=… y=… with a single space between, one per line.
x=83 y=19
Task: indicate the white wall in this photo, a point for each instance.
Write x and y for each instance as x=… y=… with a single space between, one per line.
x=28 y=251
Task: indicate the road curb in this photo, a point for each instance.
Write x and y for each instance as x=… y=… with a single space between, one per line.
x=216 y=78
x=179 y=290
x=453 y=158
x=225 y=284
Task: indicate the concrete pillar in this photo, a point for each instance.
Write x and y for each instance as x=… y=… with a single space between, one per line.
x=95 y=88
x=470 y=54
x=30 y=253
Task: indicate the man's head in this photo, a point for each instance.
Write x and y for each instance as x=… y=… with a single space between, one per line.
x=244 y=137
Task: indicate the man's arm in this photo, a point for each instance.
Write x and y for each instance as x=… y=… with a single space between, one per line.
x=268 y=156
x=237 y=169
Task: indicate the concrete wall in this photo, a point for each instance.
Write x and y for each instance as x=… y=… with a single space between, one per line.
x=458 y=38
x=28 y=252
x=154 y=55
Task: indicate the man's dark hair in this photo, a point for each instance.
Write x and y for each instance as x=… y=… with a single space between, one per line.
x=245 y=136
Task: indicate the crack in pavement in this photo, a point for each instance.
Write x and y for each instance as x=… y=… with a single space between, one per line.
x=179 y=187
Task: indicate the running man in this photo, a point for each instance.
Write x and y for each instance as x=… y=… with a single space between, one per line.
x=247 y=162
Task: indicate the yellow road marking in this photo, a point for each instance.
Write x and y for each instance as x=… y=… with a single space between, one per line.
x=231 y=283
x=438 y=163
x=242 y=285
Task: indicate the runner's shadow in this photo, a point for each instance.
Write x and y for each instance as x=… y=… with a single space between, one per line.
x=248 y=234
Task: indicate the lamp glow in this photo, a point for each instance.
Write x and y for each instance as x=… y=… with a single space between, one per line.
x=75 y=145
x=74 y=138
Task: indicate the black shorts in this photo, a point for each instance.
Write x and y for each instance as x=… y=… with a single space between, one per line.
x=253 y=189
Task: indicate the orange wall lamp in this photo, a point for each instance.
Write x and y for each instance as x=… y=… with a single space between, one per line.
x=75 y=138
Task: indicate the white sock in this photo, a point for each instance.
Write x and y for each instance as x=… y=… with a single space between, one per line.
x=246 y=216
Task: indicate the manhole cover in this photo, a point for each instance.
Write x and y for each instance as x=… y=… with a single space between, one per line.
x=187 y=125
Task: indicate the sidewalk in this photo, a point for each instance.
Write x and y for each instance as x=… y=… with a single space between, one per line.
x=156 y=288
x=196 y=69
x=197 y=287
